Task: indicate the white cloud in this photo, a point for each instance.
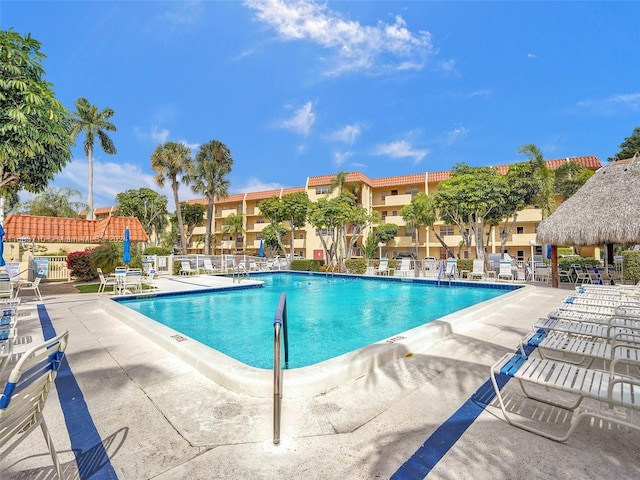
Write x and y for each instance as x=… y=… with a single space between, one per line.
x=347 y=134
x=453 y=135
x=178 y=15
x=340 y=157
x=353 y=46
x=111 y=178
x=401 y=149
x=613 y=104
x=254 y=184
x=302 y=120
x=156 y=135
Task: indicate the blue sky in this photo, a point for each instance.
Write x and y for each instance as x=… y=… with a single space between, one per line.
x=305 y=88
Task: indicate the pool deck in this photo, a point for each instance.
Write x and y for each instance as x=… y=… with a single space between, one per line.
x=141 y=413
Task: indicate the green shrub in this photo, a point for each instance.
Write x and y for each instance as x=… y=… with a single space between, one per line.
x=307 y=265
x=631 y=265
x=565 y=251
x=162 y=251
x=107 y=257
x=465 y=264
x=356 y=266
x=584 y=262
x=176 y=267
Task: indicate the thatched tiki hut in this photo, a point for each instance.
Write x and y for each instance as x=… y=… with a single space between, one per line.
x=605 y=211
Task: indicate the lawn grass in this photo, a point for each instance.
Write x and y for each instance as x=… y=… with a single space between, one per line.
x=93 y=288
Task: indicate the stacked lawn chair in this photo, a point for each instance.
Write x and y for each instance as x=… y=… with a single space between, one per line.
x=23 y=395
x=596 y=325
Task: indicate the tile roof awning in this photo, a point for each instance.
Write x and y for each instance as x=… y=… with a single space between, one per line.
x=30 y=228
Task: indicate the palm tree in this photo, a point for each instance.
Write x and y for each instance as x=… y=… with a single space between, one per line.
x=172 y=161
x=234 y=224
x=87 y=118
x=212 y=164
x=543 y=177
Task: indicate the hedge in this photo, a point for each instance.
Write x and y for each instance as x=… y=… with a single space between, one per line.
x=356 y=266
x=631 y=265
x=307 y=265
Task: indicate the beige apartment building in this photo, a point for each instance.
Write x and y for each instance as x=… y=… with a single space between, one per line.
x=387 y=196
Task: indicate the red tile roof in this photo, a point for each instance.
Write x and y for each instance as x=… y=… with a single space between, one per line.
x=72 y=230
x=327 y=179
x=414 y=179
x=262 y=194
x=235 y=198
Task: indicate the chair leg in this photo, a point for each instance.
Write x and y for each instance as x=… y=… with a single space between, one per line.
x=52 y=449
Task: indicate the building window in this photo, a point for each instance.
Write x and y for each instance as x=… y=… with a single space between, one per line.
x=446 y=230
x=323 y=231
x=258 y=236
x=301 y=236
x=413 y=191
x=260 y=220
x=322 y=190
x=394 y=213
x=520 y=230
x=520 y=255
x=394 y=192
x=383 y=195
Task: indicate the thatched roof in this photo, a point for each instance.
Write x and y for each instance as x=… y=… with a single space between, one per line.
x=606 y=209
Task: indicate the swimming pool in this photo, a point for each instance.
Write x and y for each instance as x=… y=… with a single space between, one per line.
x=327 y=316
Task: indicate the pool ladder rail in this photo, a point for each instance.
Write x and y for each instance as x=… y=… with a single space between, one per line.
x=279 y=325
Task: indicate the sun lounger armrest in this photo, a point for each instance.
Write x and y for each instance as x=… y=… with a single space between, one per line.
x=623 y=388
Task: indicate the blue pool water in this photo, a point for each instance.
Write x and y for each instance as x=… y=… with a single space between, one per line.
x=326 y=316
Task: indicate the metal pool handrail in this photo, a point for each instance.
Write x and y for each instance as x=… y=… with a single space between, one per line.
x=279 y=322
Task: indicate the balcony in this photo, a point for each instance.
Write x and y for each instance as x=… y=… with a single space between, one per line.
x=400 y=242
x=397 y=219
x=393 y=200
x=256 y=227
x=529 y=215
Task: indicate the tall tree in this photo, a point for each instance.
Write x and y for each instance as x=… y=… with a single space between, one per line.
x=35 y=128
x=213 y=163
x=55 y=202
x=146 y=205
x=234 y=225
x=272 y=208
x=172 y=161
x=192 y=217
x=295 y=207
x=543 y=177
x=420 y=212
x=569 y=177
x=629 y=147
x=87 y=118
x=469 y=199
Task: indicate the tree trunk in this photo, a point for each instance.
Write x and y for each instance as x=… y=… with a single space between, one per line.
x=208 y=228
x=183 y=244
x=90 y=189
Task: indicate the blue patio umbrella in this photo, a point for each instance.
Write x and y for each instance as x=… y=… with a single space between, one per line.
x=126 y=254
x=2 y=246
x=261 y=251
x=549 y=251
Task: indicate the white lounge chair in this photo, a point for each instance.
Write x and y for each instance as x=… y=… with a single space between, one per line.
x=6 y=286
x=383 y=267
x=133 y=281
x=105 y=282
x=208 y=266
x=478 y=270
x=33 y=286
x=609 y=387
x=185 y=268
x=452 y=268
x=23 y=399
x=505 y=272
x=149 y=279
x=405 y=268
